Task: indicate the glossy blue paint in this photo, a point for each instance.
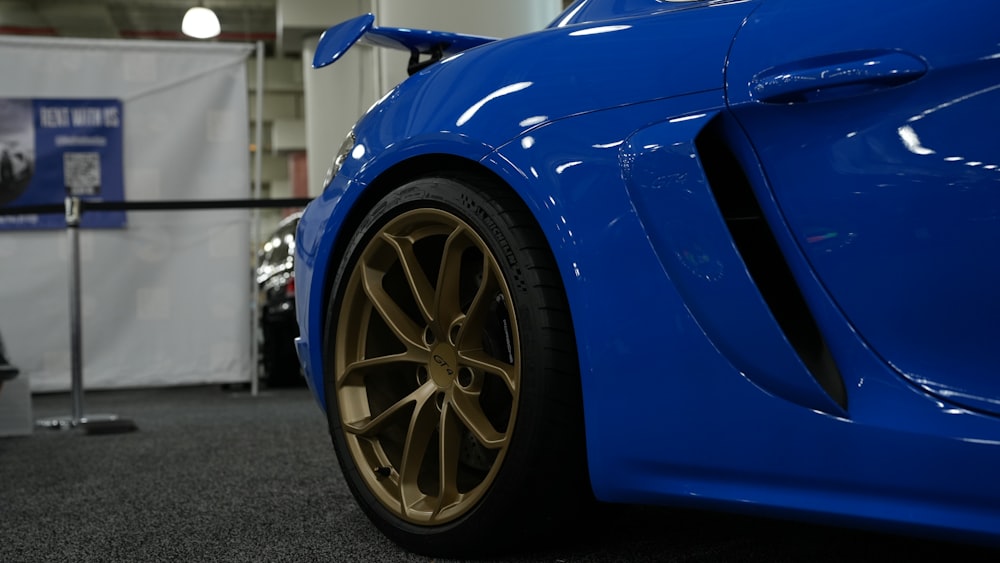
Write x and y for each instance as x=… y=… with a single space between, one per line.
x=338 y=39
x=668 y=188
x=894 y=196
x=671 y=419
x=471 y=103
x=692 y=393
x=836 y=76
x=590 y=11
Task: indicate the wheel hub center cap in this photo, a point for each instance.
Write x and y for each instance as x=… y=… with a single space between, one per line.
x=443 y=365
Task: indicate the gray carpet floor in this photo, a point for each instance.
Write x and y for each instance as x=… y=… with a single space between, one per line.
x=214 y=474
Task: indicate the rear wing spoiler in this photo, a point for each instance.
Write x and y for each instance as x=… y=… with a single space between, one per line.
x=419 y=42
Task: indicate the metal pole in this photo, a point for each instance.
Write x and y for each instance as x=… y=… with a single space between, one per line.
x=101 y=423
x=255 y=214
x=75 y=309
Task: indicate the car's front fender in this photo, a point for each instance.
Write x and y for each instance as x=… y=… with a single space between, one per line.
x=468 y=105
x=497 y=91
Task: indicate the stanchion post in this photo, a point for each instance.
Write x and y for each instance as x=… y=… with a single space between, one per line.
x=94 y=424
x=75 y=307
x=74 y=207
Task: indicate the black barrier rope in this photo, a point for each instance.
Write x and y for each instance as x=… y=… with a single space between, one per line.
x=163 y=205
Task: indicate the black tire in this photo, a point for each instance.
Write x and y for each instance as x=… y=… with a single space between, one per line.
x=501 y=378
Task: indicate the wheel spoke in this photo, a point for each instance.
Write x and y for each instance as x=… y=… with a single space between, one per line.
x=467 y=408
x=446 y=297
x=423 y=424
x=356 y=371
x=423 y=292
x=450 y=444
x=369 y=427
x=479 y=360
x=398 y=321
x=479 y=310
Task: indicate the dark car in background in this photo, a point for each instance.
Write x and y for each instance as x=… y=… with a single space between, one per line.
x=276 y=299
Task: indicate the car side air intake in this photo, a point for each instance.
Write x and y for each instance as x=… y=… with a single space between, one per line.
x=764 y=260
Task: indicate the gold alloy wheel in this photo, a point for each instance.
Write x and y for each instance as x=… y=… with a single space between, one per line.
x=427 y=366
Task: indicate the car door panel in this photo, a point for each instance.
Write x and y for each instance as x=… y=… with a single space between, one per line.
x=881 y=151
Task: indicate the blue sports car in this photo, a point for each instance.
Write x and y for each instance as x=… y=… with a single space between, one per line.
x=730 y=254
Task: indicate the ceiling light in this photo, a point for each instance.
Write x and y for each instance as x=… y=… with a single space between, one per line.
x=200 y=23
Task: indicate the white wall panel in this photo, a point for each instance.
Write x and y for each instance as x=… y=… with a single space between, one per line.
x=491 y=18
x=277 y=105
x=335 y=96
x=166 y=300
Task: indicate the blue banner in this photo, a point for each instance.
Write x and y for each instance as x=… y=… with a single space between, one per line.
x=50 y=149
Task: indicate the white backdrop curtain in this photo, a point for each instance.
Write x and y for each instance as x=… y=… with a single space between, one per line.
x=167 y=300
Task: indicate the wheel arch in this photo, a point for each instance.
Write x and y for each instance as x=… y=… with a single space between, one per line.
x=397 y=174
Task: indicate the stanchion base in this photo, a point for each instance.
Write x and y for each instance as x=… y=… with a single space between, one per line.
x=91 y=424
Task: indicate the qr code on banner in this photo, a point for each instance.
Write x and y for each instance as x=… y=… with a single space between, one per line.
x=82 y=173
